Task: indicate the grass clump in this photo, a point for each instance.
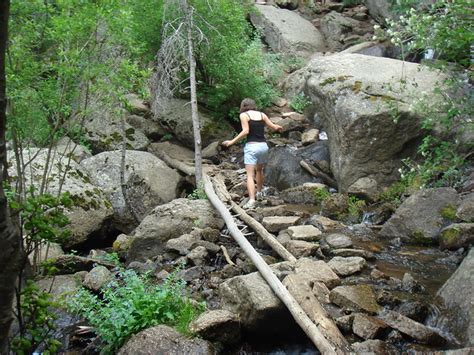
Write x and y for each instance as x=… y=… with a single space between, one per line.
x=320 y=195
x=299 y=102
x=132 y=303
x=449 y=212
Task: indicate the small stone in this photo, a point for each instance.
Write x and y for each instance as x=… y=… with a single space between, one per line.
x=457 y=235
x=140 y=267
x=310 y=136
x=97 y=278
x=280 y=102
x=321 y=292
x=353 y=252
x=374 y=347
x=325 y=224
x=277 y=223
x=307 y=233
x=415 y=330
x=347 y=266
x=301 y=248
x=338 y=241
x=182 y=244
x=410 y=284
x=199 y=255
x=217 y=325
x=317 y=271
x=368 y=327
x=376 y=274
x=357 y=298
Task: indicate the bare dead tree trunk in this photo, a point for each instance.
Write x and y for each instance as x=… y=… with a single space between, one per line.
x=194 y=106
x=9 y=236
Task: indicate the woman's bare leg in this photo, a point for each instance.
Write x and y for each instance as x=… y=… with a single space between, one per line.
x=260 y=178
x=250 y=182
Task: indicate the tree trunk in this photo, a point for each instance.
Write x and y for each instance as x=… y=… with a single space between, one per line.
x=9 y=236
x=194 y=107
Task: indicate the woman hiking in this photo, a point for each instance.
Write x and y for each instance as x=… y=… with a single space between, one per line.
x=256 y=149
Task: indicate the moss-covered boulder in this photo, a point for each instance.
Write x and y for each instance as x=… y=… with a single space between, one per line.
x=421 y=217
x=91 y=212
x=175 y=116
x=457 y=235
x=148 y=182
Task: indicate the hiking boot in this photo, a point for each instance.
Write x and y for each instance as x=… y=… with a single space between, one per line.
x=259 y=195
x=250 y=204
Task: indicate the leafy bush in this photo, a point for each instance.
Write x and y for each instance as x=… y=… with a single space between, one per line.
x=356 y=207
x=299 y=102
x=446 y=28
x=198 y=193
x=320 y=194
x=133 y=303
x=37 y=322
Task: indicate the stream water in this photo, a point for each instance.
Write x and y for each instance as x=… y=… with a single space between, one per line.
x=428 y=265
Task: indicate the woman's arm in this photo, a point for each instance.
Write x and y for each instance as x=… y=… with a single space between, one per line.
x=270 y=124
x=244 y=121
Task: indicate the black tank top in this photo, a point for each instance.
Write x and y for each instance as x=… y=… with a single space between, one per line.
x=256 y=130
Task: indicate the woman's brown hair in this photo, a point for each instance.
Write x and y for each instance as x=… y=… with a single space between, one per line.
x=247 y=104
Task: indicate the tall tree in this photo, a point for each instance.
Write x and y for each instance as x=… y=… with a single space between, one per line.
x=180 y=33
x=9 y=236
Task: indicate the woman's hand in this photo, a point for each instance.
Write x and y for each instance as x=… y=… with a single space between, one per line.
x=226 y=143
x=278 y=128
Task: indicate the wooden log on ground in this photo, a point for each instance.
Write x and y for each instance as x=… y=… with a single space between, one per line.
x=319 y=174
x=323 y=345
x=263 y=233
x=223 y=195
x=301 y=290
x=177 y=164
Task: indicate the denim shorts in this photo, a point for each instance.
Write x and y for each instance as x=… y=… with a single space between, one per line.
x=255 y=153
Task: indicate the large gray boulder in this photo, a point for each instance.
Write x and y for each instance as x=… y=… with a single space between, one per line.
x=149 y=182
x=335 y=27
x=379 y=9
x=175 y=116
x=366 y=110
x=421 y=217
x=458 y=296
x=91 y=213
x=169 y=221
x=162 y=339
x=283 y=169
x=255 y=303
x=103 y=126
x=287 y=32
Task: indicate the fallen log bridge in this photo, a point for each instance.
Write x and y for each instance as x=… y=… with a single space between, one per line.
x=323 y=332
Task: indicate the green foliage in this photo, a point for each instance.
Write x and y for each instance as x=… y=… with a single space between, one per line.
x=59 y=51
x=43 y=218
x=36 y=322
x=445 y=27
x=449 y=212
x=394 y=193
x=356 y=207
x=198 y=193
x=299 y=102
x=320 y=194
x=134 y=303
x=231 y=63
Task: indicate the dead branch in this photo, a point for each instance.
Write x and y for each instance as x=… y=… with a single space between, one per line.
x=318 y=173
